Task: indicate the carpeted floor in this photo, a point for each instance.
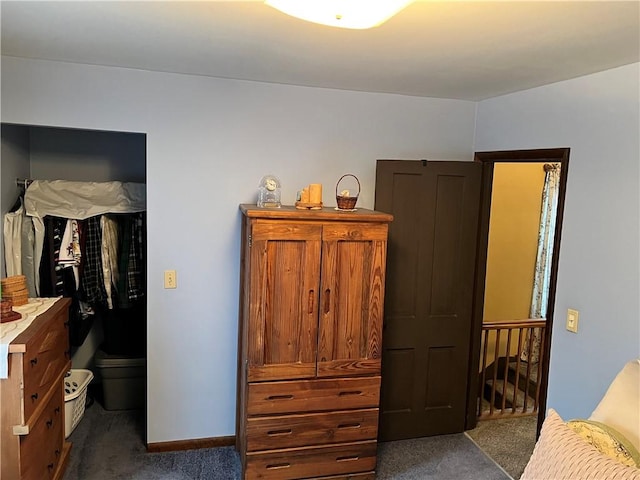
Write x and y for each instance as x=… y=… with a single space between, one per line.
x=445 y=457
x=508 y=441
x=109 y=445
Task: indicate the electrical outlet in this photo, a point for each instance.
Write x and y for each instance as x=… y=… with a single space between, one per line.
x=572 y=320
x=170 y=280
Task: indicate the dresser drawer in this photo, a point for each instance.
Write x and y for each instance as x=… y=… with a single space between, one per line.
x=270 y=398
x=43 y=361
x=312 y=462
x=41 y=449
x=269 y=433
x=350 y=476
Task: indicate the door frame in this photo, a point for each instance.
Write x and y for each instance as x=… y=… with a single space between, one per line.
x=488 y=160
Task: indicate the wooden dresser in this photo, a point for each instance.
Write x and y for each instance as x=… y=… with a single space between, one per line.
x=310 y=342
x=32 y=398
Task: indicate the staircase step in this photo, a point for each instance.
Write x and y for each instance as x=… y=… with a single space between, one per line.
x=509 y=396
x=513 y=373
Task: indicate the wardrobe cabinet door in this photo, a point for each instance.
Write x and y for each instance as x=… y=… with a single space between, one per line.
x=283 y=304
x=351 y=299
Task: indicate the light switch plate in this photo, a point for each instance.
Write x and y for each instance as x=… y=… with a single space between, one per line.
x=572 y=320
x=170 y=280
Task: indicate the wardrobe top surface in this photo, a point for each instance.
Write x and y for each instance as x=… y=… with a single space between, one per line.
x=327 y=213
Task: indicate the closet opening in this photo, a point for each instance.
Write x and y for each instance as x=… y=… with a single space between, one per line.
x=81 y=175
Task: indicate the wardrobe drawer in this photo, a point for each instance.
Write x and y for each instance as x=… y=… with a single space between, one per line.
x=42 y=363
x=41 y=449
x=270 y=398
x=268 y=433
x=349 y=476
x=312 y=462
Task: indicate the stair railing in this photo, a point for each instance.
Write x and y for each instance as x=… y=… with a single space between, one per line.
x=509 y=385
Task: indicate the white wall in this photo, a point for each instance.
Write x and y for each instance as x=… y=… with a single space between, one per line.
x=209 y=141
x=597 y=116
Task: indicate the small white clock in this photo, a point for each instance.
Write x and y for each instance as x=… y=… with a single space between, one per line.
x=270 y=184
x=269 y=192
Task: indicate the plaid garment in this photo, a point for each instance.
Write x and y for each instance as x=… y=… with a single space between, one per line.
x=136 y=266
x=91 y=279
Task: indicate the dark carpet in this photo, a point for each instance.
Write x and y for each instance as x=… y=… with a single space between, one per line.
x=508 y=441
x=108 y=445
x=445 y=457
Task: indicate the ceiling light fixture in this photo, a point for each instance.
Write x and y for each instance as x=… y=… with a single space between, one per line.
x=358 y=14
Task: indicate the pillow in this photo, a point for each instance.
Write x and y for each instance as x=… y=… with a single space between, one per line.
x=620 y=406
x=606 y=440
x=560 y=453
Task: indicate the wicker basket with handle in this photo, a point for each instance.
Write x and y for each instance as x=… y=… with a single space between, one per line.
x=347 y=202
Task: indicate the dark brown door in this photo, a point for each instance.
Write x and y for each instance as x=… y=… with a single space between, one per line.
x=429 y=294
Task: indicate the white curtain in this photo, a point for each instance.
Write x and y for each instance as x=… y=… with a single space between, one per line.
x=542 y=275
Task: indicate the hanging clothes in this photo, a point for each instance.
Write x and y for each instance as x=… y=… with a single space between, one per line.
x=77 y=200
x=19 y=241
x=136 y=268
x=109 y=256
x=131 y=284
x=28 y=264
x=52 y=278
x=70 y=253
x=91 y=278
x=12 y=230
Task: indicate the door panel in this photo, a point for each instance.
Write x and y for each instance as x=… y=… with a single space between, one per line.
x=429 y=287
x=399 y=362
x=286 y=261
x=351 y=300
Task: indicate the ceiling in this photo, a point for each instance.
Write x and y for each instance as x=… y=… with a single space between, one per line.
x=454 y=49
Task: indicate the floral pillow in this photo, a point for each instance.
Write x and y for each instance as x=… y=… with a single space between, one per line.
x=606 y=440
x=560 y=453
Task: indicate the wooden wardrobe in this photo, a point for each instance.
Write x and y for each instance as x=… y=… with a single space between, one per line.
x=310 y=342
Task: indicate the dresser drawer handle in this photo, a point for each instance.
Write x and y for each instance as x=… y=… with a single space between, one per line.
x=34 y=397
x=34 y=361
x=276 y=466
x=276 y=433
x=49 y=423
x=50 y=466
x=354 y=392
x=280 y=397
x=349 y=425
x=57 y=452
x=349 y=458
x=56 y=410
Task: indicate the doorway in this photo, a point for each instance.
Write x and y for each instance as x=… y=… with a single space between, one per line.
x=435 y=294
x=489 y=160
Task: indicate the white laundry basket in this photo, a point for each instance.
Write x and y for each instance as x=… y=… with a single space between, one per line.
x=75 y=386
